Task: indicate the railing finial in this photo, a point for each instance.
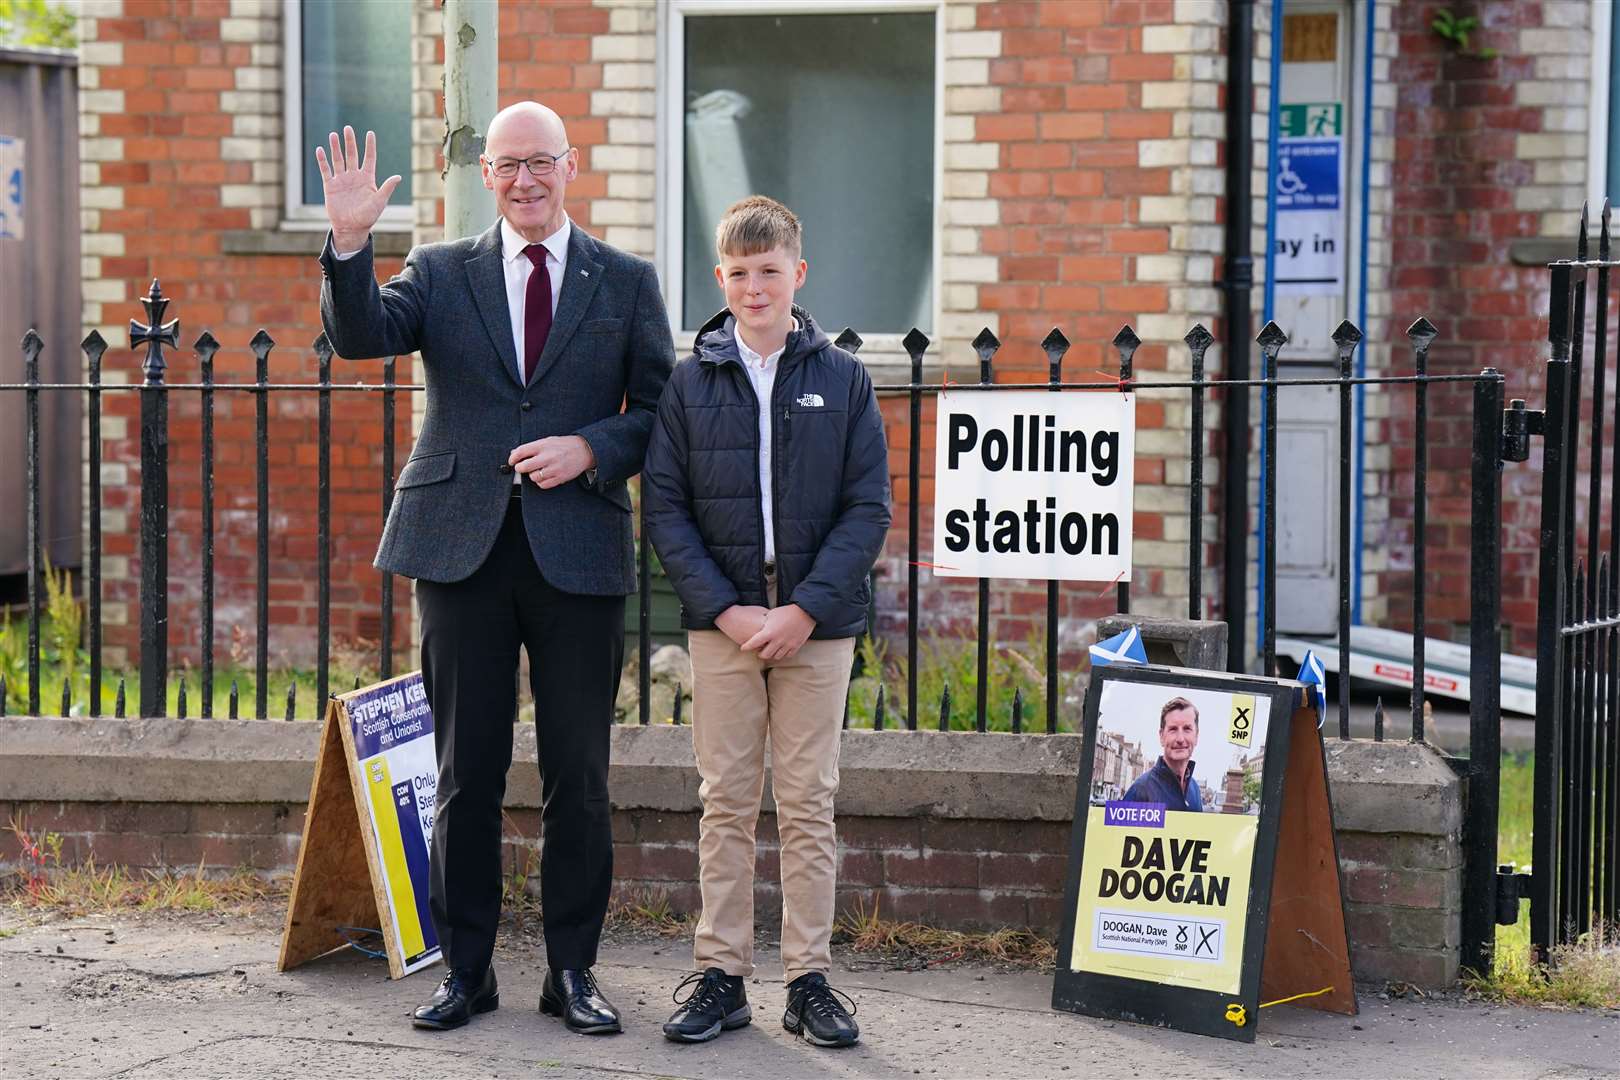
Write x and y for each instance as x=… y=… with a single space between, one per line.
x=154 y=333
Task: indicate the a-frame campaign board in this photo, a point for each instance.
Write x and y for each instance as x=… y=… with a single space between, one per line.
x=363 y=861
x=1198 y=920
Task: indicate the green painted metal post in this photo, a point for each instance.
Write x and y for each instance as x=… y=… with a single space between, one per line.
x=471 y=40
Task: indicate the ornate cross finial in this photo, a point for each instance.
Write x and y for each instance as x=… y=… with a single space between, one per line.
x=155 y=333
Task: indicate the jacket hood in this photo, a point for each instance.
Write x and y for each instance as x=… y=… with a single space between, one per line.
x=716 y=341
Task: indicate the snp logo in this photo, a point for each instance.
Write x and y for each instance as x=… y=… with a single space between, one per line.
x=811 y=401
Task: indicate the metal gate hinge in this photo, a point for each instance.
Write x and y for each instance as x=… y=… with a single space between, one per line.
x=1518 y=424
x=1512 y=885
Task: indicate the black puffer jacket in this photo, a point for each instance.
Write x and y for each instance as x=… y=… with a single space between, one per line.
x=830 y=477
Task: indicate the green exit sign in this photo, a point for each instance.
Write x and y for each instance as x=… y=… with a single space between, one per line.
x=1308 y=121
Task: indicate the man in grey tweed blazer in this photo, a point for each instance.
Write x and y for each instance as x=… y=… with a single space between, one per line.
x=544 y=352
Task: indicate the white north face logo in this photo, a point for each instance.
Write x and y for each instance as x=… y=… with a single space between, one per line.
x=810 y=401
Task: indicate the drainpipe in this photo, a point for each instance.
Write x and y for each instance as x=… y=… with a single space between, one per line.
x=1237 y=281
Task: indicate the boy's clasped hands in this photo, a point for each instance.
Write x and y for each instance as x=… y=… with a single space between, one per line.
x=775 y=633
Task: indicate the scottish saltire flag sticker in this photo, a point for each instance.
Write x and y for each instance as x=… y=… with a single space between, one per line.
x=1123 y=648
x=1312 y=675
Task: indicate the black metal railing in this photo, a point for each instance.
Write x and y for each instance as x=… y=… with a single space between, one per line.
x=155 y=393
x=1574 y=885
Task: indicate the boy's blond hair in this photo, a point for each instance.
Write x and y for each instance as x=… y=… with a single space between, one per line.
x=756 y=225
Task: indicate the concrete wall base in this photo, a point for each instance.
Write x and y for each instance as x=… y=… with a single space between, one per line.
x=955 y=830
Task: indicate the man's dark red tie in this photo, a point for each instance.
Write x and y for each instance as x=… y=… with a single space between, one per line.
x=536 y=311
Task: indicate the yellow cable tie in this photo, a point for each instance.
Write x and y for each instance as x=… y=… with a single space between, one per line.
x=1237 y=1014
x=1296 y=997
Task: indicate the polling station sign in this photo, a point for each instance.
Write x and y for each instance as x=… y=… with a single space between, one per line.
x=1032 y=484
x=1190 y=785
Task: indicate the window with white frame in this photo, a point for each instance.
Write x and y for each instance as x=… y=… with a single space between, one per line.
x=347 y=62
x=830 y=108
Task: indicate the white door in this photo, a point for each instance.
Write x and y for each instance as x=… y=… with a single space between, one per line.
x=1312 y=270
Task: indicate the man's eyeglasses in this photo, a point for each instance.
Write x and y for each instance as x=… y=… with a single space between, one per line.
x=539 y=165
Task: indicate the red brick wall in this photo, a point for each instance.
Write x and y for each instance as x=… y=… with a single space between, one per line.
x=173 y=223
x=545 y=55
x=957 y=873
x=1401 y=890
x=1067 y=243
x=1069 y=236
x=174 y=70
x=1455 y=176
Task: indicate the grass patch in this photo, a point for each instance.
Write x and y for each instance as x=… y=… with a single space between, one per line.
x=43 y=883
x=867 y=931
x=649 y=909
x=92 y=890
x=1015 y=678
x=1585 y=974
x=64 y=662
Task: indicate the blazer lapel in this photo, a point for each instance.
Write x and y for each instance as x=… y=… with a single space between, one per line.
x=487 y=280
x=580 y=280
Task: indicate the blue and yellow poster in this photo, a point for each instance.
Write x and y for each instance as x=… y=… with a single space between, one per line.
x=391 y=730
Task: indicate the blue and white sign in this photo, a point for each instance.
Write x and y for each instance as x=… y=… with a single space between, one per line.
x=11 y=188
x=1308 y=174
x=1309 y=255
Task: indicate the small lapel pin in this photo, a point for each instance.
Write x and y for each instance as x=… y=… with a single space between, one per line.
x=584 y=273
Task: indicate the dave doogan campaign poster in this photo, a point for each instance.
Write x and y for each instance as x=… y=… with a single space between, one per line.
x=1171 y=825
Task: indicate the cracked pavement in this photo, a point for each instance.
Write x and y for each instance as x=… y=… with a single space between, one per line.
x=146 y=996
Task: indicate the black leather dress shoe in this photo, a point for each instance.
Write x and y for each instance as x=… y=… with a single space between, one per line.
x=462 y=995
x=572 y=994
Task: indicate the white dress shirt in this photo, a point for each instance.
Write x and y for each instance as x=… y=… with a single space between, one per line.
x=517 y=267
x=762 y=373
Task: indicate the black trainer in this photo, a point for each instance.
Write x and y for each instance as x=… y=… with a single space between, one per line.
x=716 y=1003
x=815 y=1011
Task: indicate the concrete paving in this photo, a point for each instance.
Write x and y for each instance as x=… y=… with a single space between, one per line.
x=198 y=996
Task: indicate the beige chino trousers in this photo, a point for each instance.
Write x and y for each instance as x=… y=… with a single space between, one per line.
x=741 y=704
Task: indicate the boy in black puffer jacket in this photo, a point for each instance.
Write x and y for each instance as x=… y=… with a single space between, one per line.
x=767 y=487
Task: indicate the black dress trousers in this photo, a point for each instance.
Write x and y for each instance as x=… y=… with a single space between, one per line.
x=471 y=631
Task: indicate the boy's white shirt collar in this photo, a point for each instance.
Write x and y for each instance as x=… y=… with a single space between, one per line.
x=512 y=244
x=749 y=356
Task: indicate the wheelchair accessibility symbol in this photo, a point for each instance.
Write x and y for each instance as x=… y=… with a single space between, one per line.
x=1288 y=181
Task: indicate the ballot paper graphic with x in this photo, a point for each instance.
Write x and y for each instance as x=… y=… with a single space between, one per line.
x=1123 y=648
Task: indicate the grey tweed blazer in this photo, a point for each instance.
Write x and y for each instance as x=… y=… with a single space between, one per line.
x=603 y=368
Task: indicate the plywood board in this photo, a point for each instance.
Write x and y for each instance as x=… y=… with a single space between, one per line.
x=1307 y=946
x=332 y=883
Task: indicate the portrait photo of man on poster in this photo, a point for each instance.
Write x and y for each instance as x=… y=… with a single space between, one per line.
x=1170 y=781
x=1189 y=751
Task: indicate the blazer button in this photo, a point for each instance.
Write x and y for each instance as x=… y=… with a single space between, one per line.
x=527 y=406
